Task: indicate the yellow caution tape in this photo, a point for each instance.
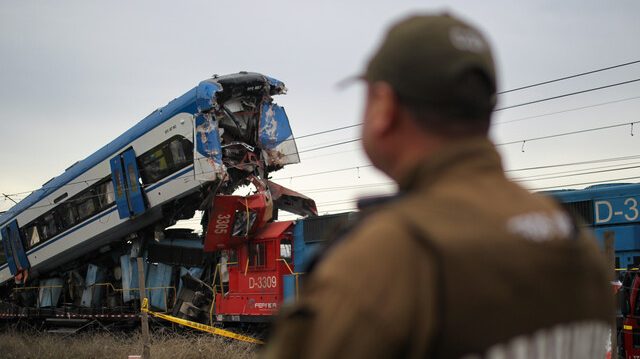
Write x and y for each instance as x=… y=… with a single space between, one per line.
x=627 y=327
x=199 y=326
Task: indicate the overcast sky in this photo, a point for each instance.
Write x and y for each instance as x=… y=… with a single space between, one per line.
x=76 y=74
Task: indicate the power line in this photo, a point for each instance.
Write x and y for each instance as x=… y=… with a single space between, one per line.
x=371 y=185
x=311 y=190
x=520 y=105
x=567 y=95
x=325 y=172
x=611 y=159
x=523 y=141
x=567 y=110
x=580 y=172
x=507 y=91
x=556 y=176
x=503 y=122
x=584 y=183
x=328 y=131
x=569 y=77
x=330 y=145
x=500 y=109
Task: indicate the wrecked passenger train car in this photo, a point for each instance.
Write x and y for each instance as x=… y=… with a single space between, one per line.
x=74 y=241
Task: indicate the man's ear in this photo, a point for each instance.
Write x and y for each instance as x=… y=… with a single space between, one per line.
x=384 y=108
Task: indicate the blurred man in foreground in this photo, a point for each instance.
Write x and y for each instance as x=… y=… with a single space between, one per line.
x=462 y=263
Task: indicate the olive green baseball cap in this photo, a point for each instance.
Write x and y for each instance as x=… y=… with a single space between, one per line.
x=422 y=56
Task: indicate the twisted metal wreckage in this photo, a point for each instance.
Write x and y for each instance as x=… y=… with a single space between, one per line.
x=241 y=136
x=68 y=260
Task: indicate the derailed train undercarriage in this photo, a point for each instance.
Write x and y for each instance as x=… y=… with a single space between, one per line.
x=240 y=136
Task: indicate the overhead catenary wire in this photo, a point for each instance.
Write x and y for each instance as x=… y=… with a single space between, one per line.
x=501 y=122
x=569 y=77
x=567 y=110
x=371 y=185
x=337 y=188
x=520 y=105
x=573 y=174
x=563 y=78
x=369 y=165
x=568 y=133
x=500 y=109
x=583 y=183
x=567 y=95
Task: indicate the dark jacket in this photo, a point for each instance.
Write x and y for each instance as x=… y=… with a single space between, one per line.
x=464 y=264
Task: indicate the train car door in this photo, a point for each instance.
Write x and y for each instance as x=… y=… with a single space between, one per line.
x=14 y=251
x=126 y=183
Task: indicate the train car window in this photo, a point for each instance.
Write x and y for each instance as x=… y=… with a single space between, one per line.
x=33 y=237
x=241 y=226
x=119 y=184
x=83 y=205
x=68 y=215
x=233 y=256
x=49 y=227
x=87 y=205
x=133 y=178
x=105 y=193
x=285 y=250
x=154 y=166
x=60 y=198
x=177 y=152
x=257 y=254
x=165 y=159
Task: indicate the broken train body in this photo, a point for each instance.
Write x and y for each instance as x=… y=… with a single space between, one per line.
x=70 y=248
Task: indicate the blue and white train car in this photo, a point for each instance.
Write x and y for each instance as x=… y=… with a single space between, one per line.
x=613 y=208
x=157 y=172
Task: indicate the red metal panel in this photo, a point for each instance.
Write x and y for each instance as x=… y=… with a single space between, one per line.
x=226 y=211
x=273 y=230
x=257 y=289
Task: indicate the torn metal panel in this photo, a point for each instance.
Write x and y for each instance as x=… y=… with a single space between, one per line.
x=206 y=95
x=157 y=281
x=239 y=131
x=292 y=201
x=92 y=293
x=49 y=292
x=277 y=86
x=129 y=268
x=234 y=218
x=195 y=272
x=275 y=136
x=207 y=157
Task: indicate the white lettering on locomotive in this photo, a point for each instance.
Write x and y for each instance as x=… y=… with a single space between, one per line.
x=222 y=224
x=264 y=282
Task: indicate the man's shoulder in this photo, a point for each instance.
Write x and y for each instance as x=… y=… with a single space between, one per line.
x=379 y=236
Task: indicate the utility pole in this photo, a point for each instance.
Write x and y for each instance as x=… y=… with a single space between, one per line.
x=609 y=247
x=144 y=317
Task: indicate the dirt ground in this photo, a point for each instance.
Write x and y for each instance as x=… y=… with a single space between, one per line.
x=41 y=345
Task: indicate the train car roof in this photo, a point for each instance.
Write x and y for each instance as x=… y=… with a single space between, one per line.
x=184 y=103
x=595 y=191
